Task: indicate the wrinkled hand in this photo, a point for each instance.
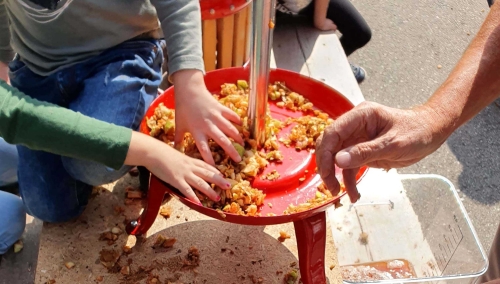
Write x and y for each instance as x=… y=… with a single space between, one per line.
x=377 y=136
x=198 y=113
x=325 y=25
x=175 y=168
x=4 y=72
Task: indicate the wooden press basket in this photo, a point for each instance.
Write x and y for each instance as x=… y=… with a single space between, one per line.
x=226 y=28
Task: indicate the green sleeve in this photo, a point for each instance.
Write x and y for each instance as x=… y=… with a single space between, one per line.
x=47 y=127
x=6 y=52
x=181 y=24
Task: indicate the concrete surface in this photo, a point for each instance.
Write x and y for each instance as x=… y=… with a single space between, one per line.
x=21 y=267
x=410 y=39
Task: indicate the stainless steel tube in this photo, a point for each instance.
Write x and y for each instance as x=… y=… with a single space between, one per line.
x=263 y=22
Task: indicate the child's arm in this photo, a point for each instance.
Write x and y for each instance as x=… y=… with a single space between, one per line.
x=197 y=111
x=181 y=24
x=320 y=20
x=47 y=127
x=179 y=170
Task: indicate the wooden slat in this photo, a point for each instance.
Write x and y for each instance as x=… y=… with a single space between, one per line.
x=327 y=62
x=248 y=35
x=209 y=43
x=225 y=29
x=240 y=31
x=286 y=49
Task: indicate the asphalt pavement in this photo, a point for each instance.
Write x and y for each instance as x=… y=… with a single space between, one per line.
x=415 y=45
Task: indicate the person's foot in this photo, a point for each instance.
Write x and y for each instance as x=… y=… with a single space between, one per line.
x=359 y=73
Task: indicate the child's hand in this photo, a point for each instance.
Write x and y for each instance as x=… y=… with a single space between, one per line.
x=325 y=25
x=179 y=170
x=198 y=113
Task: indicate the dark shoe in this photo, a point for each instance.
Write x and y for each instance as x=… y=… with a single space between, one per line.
x=359 y=72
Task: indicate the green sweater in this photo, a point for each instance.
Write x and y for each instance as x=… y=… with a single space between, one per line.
x=47 y=127
x=48 y=41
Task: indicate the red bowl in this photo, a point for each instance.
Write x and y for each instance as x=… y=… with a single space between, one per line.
x=288 y=189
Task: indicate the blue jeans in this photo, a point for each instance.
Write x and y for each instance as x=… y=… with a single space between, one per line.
x=12 y=218
x=8 y=164
x=116 y=86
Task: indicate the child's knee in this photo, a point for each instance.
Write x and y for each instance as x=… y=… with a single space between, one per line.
x=92 y=173
x=54 y=215
x=12 y=218
x=59 y=205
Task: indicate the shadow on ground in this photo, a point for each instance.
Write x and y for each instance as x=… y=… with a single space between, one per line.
x=476 y=145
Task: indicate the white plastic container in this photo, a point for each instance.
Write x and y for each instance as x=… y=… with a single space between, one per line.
x=415 y=219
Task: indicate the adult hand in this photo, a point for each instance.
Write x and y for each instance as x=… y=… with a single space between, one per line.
x=198 y=113
x=325 y=25
x=377 y=136
x=4 y=72
x=175 y=168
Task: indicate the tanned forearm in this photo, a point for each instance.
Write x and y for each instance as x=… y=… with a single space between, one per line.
x=474 y=83
x=320 y=8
